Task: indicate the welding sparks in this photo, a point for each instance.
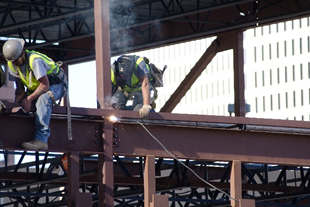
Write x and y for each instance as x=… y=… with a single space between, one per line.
x=113 y=119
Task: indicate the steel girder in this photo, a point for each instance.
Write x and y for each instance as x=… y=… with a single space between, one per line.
x=41 y=186
x=135 y=25
x=277 y=150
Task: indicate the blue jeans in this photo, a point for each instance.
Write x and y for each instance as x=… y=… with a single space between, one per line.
x=44 y=105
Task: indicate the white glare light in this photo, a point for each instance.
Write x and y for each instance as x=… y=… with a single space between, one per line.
x=113 y=119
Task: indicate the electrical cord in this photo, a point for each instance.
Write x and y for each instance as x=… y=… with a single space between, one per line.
x=183 y=163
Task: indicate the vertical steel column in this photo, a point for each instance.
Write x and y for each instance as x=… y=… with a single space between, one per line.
x=103 y=56
x=103 y=50
x=235 y=183
x=65 y=67
x=105 y=168
x=239 y=74
x=73 y=177
x=149 y=180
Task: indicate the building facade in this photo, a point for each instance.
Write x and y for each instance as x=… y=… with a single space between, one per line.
x=277 y=73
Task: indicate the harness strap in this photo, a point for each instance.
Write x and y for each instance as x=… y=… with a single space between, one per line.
x=52 y=96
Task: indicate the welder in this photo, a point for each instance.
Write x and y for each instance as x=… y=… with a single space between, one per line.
x=130 y=80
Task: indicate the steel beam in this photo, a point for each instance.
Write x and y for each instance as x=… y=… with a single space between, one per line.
x=200 y=143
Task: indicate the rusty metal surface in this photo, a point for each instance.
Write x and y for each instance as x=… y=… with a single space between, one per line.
x=214 y=144
x=86 y=134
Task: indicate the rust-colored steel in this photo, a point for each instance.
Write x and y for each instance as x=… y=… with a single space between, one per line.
x=239 y=74
x=214 y=144
x=21 y=128
x=73 y=178
x=216 y=46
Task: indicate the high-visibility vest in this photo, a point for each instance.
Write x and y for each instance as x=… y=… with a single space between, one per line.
x=29 y=79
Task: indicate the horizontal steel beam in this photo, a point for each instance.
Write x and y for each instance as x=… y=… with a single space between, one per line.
x=200 y=143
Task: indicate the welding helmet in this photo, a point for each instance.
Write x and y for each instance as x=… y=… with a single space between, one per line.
x=123 y=66
x=12 y=49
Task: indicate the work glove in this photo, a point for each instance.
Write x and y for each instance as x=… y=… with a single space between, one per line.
x=144 y=111
x=2 y=106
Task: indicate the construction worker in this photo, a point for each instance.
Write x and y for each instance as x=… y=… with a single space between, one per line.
x=45 y=83
x=129 y=75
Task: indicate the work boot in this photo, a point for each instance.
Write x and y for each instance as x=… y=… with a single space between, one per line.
x=35 y=145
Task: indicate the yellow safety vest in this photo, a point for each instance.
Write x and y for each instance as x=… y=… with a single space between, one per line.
x=29 y=79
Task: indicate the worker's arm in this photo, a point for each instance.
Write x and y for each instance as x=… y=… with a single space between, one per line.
x=145 y=87
x=19 y=91
x=145 y=110
x=42 y=88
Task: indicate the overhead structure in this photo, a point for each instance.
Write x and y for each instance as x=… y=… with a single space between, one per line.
x=59 y=27
x=167 y=159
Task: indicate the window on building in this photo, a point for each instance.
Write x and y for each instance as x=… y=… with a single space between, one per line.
x=269 y=51
x=279 y=101
x=263 y=103
x=308 y=23
x=294 y=99
x=262 y=30
x=256 y=105
x=254 y=32
x=284 y=26
x=300 y=23
x=254 y=54
x=302 y=97
x=255 y=79
x=277 y=27
x=308 y=40
x=228 y=86
x=269 y=29
x=293 y=47
x=285 y=71
x=284 y=48
x=293 y=72
x=262 y=52
x=270 y=76
x=223 y=87
x=277 y=50
x=218 y=88
x=300 y=45
x=292 y=25
x=271 y=104
x=309 y=70
x=263 y=78
x=301 y=73
x=278 y=75
x=286 y=100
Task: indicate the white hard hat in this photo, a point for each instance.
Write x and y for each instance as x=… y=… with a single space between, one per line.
x=12 y=49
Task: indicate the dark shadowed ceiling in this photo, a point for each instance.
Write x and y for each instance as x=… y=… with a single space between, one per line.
x=64 y=29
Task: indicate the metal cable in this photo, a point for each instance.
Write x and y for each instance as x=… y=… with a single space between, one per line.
x=183 y=163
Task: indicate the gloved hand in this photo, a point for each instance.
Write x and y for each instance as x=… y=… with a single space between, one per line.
x=144 y=111
x=2 y=106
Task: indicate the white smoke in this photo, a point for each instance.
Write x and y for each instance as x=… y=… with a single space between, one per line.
x=110 y=101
